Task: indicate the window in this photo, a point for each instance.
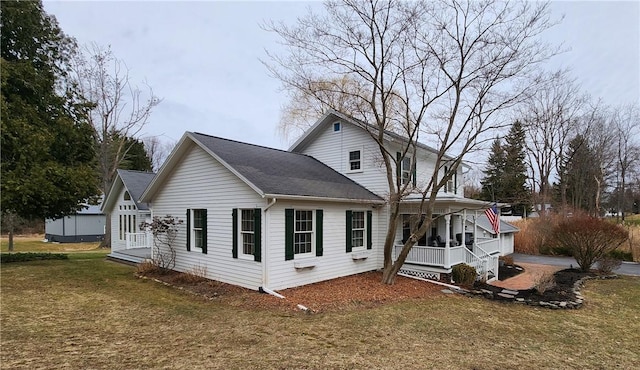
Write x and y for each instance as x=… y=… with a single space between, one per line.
x=410 y=225
x=246 y=231
x=127 y=196
x=358 y=230
x=405 y=170
x=303 y=233
x=197 y=230
x=126 y=224
x=336 y=127
x=247 y=224
x=354 y=160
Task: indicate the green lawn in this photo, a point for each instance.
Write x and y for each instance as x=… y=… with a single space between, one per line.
x=35 y=243
x=92 y=313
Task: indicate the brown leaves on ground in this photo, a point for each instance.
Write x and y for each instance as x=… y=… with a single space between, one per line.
x=361 y=290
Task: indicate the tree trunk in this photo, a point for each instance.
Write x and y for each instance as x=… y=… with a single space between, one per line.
x=106 y=242
x=11 y=220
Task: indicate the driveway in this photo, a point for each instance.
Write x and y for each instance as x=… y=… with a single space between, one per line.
x=627 y=268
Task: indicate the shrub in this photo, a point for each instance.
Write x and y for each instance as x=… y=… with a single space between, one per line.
x=507 y=260
x=196 y=274
x=589 y=239
x=164 y=231
x=464 y=274
x=147 y=267
x=607 y=264
x=544 y=282
x=620 y=255
x=535 y=236
x=24 y=257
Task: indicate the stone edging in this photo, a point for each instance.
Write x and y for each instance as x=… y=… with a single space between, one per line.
x=178 y=287
x=507 y=295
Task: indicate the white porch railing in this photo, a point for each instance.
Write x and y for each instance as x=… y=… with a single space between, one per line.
x=137 y=240
x=483 y=262
x=489 y=245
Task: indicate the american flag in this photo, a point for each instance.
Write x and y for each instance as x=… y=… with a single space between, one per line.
x=494 y=219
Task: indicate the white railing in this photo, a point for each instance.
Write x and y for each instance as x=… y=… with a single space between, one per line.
x=422 y=255
x=489 y=245
x=137 y=240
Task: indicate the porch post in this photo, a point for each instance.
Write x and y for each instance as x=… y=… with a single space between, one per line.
x=475 y=229
x=447 y=258
x=463 y=231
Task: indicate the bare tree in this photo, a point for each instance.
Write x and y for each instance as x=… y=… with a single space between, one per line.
x=550 y=118
x=626 y=123
x=117 y=109
x=157 y=150
x=441 y=70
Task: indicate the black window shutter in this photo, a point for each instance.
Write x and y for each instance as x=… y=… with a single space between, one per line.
x=455 y=182
x=369 y=223
x=399 y=168
x=257 y=232
x=234 y=233
x=413 y=173
x=188 y=229
x=349 y=231
x=288 y=234
x=204 y=231
x=319 y=232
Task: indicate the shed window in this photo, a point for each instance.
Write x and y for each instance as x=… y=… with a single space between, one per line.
x=336 y=127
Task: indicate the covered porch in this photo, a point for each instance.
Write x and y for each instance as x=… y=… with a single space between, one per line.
x=454 y=238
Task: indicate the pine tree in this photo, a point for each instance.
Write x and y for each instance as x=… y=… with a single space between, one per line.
x=515 y=189
x=492 y=183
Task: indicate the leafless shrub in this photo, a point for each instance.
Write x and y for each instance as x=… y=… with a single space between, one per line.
x=164 y=231
x=544 y=282
x=147 y=267
x=607 y=264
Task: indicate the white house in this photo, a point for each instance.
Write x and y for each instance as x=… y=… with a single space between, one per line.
x=265 y=218
x=126 y=213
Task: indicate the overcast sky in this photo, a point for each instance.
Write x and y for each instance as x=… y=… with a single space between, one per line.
x=202 y=58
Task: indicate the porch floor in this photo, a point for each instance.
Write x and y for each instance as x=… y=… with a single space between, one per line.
x=135 y=255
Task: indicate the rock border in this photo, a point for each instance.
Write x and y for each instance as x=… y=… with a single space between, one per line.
x=510 y=296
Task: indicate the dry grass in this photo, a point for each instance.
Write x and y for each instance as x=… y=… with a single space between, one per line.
x=633 y=244
x=95 y=314
x=35 y=243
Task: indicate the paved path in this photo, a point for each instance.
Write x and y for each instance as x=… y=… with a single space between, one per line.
x=627 y=268
x=527 y=279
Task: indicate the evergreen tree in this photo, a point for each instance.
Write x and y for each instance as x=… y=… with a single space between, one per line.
x=492 y=183
x=577 y=187
x=506 y=174
x=515 y=189
x=48 y=158
x=136 y=157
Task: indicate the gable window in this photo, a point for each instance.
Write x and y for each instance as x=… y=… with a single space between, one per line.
x=127 y=196
x=336 y=127
x=247 y=233
x=197 y=230
x=358 y=230
x=303 y=233
x=355 y=163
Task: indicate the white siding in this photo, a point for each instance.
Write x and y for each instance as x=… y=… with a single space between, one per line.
x=335 y=261
x=200 y=182
x=332 y=148
x=507 y=244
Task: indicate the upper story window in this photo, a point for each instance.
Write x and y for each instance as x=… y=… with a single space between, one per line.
x=127 y=196
x=405 y=170
x=337 y=126
x=355 y=163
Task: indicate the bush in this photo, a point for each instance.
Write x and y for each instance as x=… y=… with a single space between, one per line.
x=544 y=282
x=147 y=267
x=464 y=274
x=589 y=239
x=620 y=255
x=535 y=236
x=607 y=264
x=507 y=260
x=24 y=257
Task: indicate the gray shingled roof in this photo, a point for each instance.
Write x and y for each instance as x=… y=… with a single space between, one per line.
x=136 y=182
x=278 y=172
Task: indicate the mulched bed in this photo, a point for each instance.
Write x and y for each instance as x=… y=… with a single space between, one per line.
x=508 y=271
x=356 y=291
x=561 y=291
